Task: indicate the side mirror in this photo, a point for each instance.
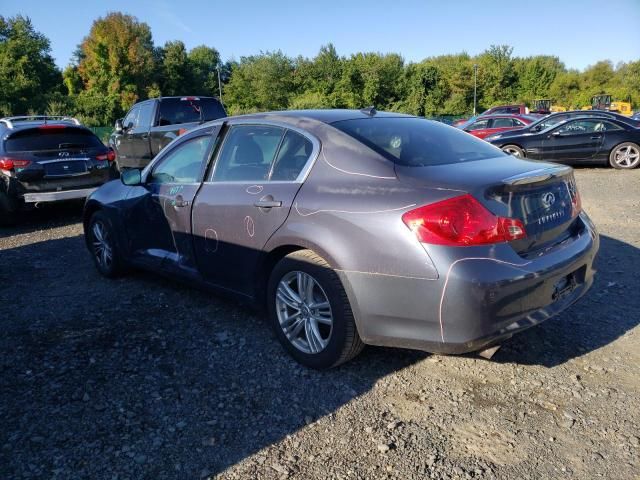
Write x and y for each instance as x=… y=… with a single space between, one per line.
x=118 y=126
x=131 y=177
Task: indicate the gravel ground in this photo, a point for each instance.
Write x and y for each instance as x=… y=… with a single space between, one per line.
x=143 y=378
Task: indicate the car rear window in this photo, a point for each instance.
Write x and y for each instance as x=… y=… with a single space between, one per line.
x=416 y=142
x=174 y=111
x=36 y=139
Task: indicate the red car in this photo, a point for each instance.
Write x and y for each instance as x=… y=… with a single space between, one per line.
x=487 y=125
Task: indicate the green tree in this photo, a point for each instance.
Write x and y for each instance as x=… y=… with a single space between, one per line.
x=204 y=63
x=535 y=75
x=116 y=63
x=177 y=78
x=496 y=75
x=28 y=75
x=260 y=82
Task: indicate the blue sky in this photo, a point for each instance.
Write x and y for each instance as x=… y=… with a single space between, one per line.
x=580 y=32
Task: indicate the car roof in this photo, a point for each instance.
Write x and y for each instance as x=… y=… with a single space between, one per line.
x=323 y=115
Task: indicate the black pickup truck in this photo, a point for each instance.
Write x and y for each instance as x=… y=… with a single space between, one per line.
x=152 y=124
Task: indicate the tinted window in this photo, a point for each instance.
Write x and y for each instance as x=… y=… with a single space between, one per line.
x=479 y=125
x=417 y=142
x=292 y=157
x=517 y=123
x=144 y=117
x=189 y=109
x=579 y=127
x=51 y=139
x=247 y=153
x=183 y=163
x=502 y=122
x=132 y=117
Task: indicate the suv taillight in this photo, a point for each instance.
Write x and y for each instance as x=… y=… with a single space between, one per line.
x=461 y=221
x=7 y=163
x=110 y=155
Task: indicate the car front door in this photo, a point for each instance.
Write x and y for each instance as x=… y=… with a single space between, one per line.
x=256 y=176
x=124 y=141
x=140 y=133
x=479 y=128
x=574 y=140
x=159 y=220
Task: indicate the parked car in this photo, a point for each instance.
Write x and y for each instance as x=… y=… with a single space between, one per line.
x=151 y=125
x=491 y=124
x=520 y=109
x=555 y=118
x=598 y=139
x=353 y=228
x=48 y=159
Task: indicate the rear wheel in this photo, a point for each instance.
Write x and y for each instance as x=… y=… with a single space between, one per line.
x=625 y=156
x=103 y=246
x=310 y=312
x=514 y=150
x=9 y=208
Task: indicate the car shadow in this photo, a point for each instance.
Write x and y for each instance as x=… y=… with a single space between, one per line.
x=45 y=217
x=582 y=328
x=143 y=377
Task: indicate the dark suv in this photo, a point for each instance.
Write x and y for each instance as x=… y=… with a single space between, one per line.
x=152 y=124
x=48 y=159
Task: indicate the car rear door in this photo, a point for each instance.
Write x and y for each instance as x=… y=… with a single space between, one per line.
x=159 y=223
x=256 y=176
x=574 y=140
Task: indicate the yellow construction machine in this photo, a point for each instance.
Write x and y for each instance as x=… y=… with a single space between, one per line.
x=604 y=102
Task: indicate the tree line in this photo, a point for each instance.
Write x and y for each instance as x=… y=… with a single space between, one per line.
x=118 y=64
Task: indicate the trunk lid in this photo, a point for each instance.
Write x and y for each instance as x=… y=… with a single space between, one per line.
x=541 y=195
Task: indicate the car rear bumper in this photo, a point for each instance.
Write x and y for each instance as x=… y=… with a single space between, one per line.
x=40 y=197
x=478 y=300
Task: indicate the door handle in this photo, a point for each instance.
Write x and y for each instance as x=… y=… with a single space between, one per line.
x=596 y=137
x=145 y=136
x=180 y=202
x=268 y=203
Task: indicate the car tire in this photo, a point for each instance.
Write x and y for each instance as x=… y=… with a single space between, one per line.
x=9 y=208
x=625 y=156
x=104 y=246
x=334 y=344
x=514 y=150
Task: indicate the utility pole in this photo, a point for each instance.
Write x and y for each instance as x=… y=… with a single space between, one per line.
x=219 y=84
x=475 y=87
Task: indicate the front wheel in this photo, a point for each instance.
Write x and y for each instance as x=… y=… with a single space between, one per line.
x=310 y=312
x=103 y=246
x=625 y=156
x=513 y=150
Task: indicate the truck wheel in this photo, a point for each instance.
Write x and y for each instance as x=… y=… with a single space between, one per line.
x=9 y=208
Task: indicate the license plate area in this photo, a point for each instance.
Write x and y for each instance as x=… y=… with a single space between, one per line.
x=65 y=168
x=568 y=284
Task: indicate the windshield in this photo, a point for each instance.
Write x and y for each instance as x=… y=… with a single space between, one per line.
x=416 y=142
x=36 y=139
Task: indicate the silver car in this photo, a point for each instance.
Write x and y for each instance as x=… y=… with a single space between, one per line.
x=354 y=227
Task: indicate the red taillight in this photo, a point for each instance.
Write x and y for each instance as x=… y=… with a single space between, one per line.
x=110 y=156
x=576 y=202
x=47 y=126
x=11 y=163
x=184 y=99
x=461 y=221
x=181 y=131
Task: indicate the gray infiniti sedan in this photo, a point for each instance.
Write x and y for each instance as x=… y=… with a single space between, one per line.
x=354 y=227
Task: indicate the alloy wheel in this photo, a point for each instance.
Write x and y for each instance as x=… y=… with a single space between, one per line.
x=304 y=312
x=626 y=156
x=101 y=245
x=512 y=151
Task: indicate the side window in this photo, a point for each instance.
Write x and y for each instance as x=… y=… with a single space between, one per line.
x=517 y=123
x=292 y=157
x=502 y=122
x=132 y=117
x=607 y=127
x=183 y=163
x=247 y=153
x=144 y=117
x=479 y=125
x=578 y=127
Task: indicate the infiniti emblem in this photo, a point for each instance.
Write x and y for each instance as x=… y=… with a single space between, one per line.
x=548 y=199
x=63 y=154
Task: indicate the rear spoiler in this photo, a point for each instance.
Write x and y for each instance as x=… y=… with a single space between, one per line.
x=539 y=175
